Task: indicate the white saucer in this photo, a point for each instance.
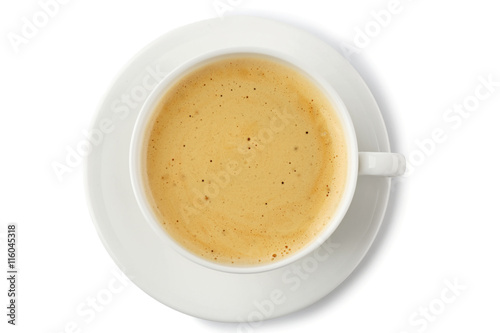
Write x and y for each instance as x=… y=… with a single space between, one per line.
x=169 y=277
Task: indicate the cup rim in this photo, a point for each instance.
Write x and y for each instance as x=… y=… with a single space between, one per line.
x=136 y=162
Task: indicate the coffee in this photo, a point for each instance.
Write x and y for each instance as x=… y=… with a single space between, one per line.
x=246 y=160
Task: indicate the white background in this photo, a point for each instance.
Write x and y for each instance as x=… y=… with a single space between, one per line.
x=443 y=221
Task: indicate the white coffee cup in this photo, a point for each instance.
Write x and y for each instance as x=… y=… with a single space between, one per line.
x=380 y=164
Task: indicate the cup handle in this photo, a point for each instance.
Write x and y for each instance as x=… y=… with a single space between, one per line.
x=381 y=164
